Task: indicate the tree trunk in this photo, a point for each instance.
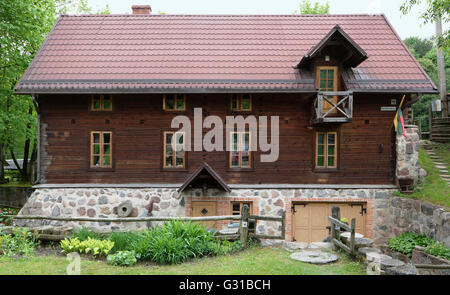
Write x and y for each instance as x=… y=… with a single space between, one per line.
x=31 y=165
x=13 y=156
x=2 y=162
x=441 y=71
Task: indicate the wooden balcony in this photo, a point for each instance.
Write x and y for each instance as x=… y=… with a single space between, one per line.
x=333 y=107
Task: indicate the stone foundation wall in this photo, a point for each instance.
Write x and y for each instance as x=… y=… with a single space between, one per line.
x=408 y=154
x=409 y=215
x=103 y=202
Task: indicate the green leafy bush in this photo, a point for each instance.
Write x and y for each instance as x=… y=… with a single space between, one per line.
x=122 y=258
x=406 y=242
x=439 y=250
x=4 y=220
x=21 y=241
x=84 y=233
x=125 y=241
x=175 y=242
x=89 y=246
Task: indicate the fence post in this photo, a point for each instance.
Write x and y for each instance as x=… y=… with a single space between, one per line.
x=283 y=225
x=336 y=214
x=244 y=224
x=352 y=237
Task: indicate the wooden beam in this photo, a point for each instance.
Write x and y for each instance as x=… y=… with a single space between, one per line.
x=340 y=244
x=129 y=219
x=340 y=223
x=267 y=218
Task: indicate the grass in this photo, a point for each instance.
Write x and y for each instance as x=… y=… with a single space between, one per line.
x=443 y=152
x=253 y=261
x=11 y=175
x=433 y=189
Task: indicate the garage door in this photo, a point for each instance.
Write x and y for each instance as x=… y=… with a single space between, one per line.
x=310 y=220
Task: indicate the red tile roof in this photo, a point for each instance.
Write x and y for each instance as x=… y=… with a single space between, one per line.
x=212 y=53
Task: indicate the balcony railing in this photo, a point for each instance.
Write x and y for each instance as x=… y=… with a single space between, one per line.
x=339 y=110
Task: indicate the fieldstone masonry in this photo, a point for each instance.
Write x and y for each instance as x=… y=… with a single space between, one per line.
x=387 y=216
x=103 y=202
x=409 y=215
x=408 y=154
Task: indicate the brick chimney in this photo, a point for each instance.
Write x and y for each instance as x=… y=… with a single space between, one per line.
x=141 y=9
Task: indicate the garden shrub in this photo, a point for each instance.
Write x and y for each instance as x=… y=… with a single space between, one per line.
x=122 y=258
x=175 y=242
x=171 y=243
x=406 y=242
x=4 y=220
x=439 y=250
x=125 y=241
x=89 y=246
x=21 y=241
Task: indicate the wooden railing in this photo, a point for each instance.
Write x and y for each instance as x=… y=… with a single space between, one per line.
x=343 y=107
x=243 y=233
x=440 y=130
x=336 y=225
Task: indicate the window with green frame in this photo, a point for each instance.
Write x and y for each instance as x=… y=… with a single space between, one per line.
x=326 y=150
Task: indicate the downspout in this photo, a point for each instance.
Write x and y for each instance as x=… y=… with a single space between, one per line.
x=38 y=168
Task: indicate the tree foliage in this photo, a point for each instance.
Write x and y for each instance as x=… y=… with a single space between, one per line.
x=23 y=27
x=425 y=52
x=434 y=10
x=306 y=7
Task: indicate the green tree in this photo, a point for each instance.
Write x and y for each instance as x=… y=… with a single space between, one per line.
x=23 y=27
x=435 y=9
x=418 y=46
x=306 y=7
x=428 y=61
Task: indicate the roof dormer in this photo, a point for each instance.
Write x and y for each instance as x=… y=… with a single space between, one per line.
x=340 y=46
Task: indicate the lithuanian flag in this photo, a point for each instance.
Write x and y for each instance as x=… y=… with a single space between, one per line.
x=399 y=122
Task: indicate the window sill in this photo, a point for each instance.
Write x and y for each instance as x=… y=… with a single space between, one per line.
x=99 y=169
x=184 y=169
x=241 y=169
x=325 y=170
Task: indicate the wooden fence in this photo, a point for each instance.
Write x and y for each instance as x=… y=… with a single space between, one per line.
x=336 y=225
x=440 y=130
x=243 y=233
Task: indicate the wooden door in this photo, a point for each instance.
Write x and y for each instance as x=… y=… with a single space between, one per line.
x=310 y=220
x=205 y=208
x=327 y=80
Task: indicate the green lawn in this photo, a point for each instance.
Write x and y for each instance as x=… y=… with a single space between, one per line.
x=253 y=261
x=433 y=189
x=443 y=152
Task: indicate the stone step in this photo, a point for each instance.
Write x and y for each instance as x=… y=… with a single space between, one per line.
x=404 y=270
x=314 y=257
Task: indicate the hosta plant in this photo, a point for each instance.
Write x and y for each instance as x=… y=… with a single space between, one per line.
x=89 y=246
x=122 y=258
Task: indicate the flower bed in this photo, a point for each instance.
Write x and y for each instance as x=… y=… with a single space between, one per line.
x=173 y=242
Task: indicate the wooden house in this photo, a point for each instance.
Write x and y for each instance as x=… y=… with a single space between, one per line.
x=107 y=88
